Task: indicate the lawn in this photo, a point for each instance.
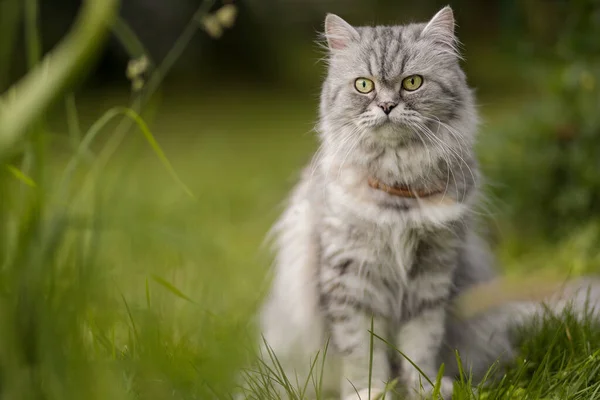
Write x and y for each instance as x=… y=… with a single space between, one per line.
x=129 y=273
x=141 y=291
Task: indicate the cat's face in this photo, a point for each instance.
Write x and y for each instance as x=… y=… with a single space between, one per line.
x=396 y=86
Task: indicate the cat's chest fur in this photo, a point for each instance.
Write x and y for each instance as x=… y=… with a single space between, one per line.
x=371 y=248
x=381 y=257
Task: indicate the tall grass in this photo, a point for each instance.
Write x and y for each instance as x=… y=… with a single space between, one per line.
x=131 y=277
x=71 y=326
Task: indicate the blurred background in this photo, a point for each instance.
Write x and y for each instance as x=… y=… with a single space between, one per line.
x=173 y=281
x=533 y=63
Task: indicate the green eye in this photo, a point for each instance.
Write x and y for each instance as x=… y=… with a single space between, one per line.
x=412 y=82
x=364 y=85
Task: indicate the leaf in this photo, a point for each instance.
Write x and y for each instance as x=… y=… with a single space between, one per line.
x=147 y=294
x=438 y=382
x=57 y=72
x=129 y=40
x=20 y=175
x=157 y=149
x=135 y=117
x=171 y=288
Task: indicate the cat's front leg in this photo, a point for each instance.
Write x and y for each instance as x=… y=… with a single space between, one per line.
x=359 y=361
x=422 y=330
x=420 y=340
x=353 y=306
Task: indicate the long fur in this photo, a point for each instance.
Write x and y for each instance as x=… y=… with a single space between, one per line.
x=350 y=258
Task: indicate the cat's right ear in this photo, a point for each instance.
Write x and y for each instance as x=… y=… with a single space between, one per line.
x=339 y=33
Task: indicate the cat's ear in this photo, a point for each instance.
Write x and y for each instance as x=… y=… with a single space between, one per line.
x=339 y=33
x=442 y=24
x=441 y=29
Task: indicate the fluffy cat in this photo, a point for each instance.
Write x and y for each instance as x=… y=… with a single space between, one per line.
x=380 y=230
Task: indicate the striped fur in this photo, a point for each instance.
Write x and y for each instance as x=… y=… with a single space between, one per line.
x=348 y=256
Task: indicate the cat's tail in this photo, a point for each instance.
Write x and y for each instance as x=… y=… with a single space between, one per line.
x=484 y=323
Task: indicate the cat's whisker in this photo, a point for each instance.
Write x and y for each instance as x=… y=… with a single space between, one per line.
x=459 y=158
x=448 y=169
x=456 y=157
x=429 y=158
x=350 y=149
x=445 y=155
x=454 y=132
x=346 y=137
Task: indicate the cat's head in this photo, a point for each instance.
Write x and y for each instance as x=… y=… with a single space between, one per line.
x=397 y=89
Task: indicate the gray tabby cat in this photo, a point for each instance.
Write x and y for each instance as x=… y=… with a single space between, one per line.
x=380 y=230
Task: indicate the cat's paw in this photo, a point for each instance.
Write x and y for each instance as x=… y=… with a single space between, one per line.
x=363 y=394
x=424 y=390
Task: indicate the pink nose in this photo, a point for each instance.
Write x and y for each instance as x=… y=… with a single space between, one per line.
x=387 y=107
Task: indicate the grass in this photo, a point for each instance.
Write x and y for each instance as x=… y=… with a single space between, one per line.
x=116 y=283
x=171 y=282
x=150 y=293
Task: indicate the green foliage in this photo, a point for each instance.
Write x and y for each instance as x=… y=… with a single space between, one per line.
x=115 y=283
x=74 y=323
x=544 y=162
x=559 y=359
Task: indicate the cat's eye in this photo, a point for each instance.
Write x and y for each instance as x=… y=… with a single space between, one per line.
x=412 y=82
x=364 y=85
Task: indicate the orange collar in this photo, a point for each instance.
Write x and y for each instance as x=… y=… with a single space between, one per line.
x=401 y=191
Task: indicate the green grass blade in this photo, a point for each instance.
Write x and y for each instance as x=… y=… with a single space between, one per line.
x=171 y=288
x=147 y=294
x=319 y=386
x=20 y=175
x=73 y=124
x=35 y=92
x=178 y=48
x=309 y=377
x=157 y=149
x=89 y=137
x=97 y=127
x=403 y=355
x=130 y=315
x=438 y=382
x=32 y=34
x=371 y=357
x=130 y=41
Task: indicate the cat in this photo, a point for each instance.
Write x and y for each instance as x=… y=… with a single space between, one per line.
x=380 y=233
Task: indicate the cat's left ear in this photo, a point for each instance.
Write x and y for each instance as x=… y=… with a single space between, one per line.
x=442 y=24
x=441 y=28
x=339 y=33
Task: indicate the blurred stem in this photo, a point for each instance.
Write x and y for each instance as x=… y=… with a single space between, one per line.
x=32 y=36
x=128 y=39
x=73 y=120
x=153 y=83
x=34 y=154
x=35 y=92
x=178 y=48
x=10 y=15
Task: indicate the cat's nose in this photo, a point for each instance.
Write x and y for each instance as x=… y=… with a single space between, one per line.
x=387 y=106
